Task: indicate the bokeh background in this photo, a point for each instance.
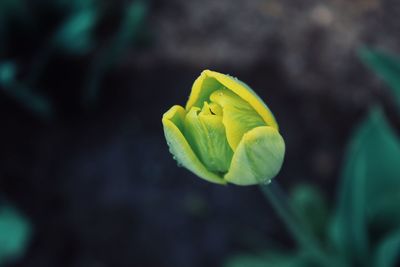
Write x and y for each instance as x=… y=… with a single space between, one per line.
x=83 y=86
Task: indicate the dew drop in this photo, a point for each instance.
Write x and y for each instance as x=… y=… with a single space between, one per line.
x=177 y=161
x=267 y=182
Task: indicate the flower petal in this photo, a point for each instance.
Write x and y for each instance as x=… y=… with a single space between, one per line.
x=209 y=81
x=206 y=134
x=258 y=157
x=173 y=121
x=202 y=88
x=238 y=116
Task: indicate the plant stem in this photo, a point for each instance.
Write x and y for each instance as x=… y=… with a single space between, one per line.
x=300 y=232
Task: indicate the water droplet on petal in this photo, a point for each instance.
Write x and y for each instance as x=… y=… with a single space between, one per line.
x=267 y=182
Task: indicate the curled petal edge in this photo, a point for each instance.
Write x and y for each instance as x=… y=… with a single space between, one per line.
x=239 y=88
x=181 y=149
x=258 y=157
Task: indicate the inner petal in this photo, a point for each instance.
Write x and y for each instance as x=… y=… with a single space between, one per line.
x=206 y=133
x=238 y=116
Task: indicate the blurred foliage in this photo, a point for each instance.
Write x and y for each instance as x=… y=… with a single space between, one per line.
x=387 y=66
x=370 y=191
x=312 y=207
x=15 y=232
x=271 y=259
x=363 y=229
x=30 y=99
x=55 y=51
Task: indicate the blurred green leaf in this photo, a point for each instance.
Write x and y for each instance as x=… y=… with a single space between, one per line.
x=10 y=8
x=371 y=173
x=348 y=230
x=388 y=252
x=75 y=35
x=311 y=206
x=22 y=94
x=384 y=213
x=8 y=72
x=130 y=26
x=15 y=231
x=271 y=259
x=382 y=171
x=387 y=66
x=133 y=20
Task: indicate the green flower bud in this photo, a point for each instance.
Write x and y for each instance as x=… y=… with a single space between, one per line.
x=225 y=134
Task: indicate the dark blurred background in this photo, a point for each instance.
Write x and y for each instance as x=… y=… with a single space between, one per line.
x=83 y=86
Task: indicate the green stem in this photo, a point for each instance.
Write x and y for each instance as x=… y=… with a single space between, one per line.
x=300 y=232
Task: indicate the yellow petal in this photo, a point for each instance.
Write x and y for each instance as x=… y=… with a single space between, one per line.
x=173 y=121
x=238 y=116
x=258 y=157
x=210 y=81
x=202 y=88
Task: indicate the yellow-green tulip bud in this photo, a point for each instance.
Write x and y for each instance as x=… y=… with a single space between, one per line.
x=226 y=133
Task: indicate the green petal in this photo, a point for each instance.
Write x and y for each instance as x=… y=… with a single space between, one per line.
x=206 y=134
x=258 y=157
x=238 y=116
x=173 y=121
